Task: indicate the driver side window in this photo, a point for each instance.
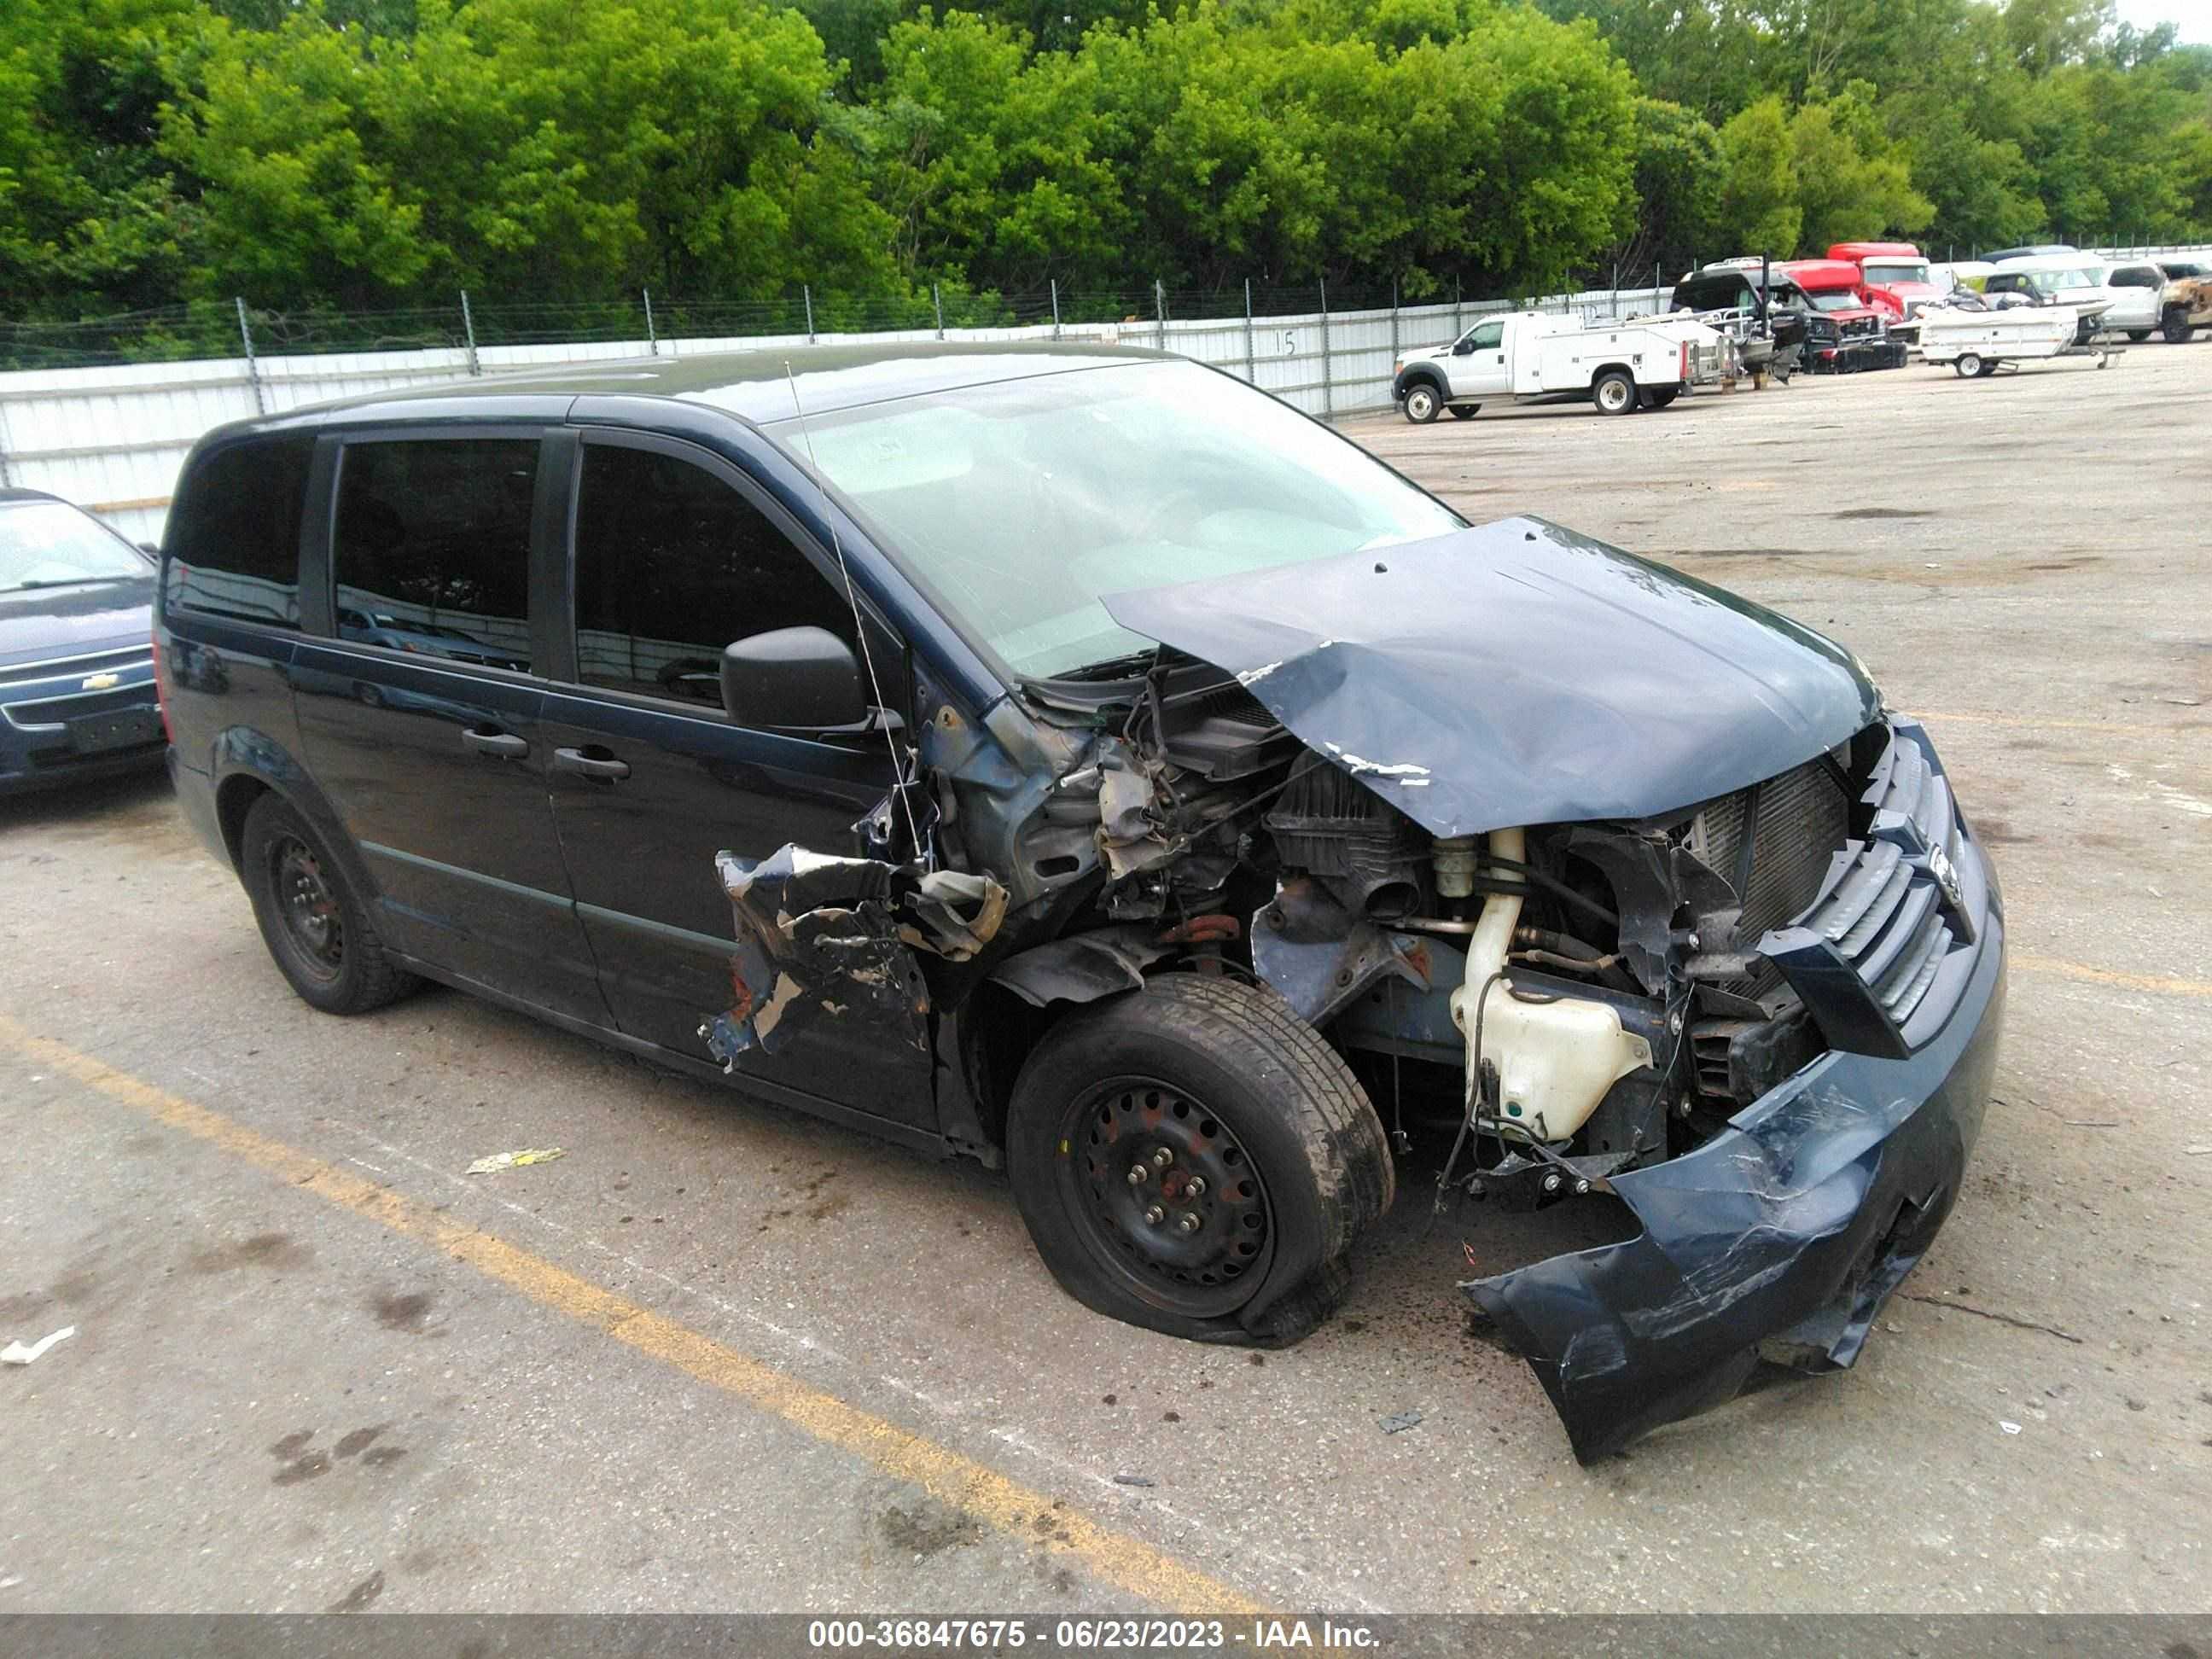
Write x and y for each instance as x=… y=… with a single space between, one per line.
x=671 y=565
x=1488 y=336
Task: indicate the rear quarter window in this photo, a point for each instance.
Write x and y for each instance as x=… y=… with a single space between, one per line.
x=233 y=544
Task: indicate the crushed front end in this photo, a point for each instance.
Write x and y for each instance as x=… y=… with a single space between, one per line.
x=1847 y=1037
x=1766 y=1024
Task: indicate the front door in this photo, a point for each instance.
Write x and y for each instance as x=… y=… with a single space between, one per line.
x=1478 y=368
x=675 y=555
x=421 y=718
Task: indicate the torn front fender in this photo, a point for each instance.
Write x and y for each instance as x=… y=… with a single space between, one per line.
x=822 y=937
x=1776 y=1242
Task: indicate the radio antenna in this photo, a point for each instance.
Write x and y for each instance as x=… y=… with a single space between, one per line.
x=860 y=623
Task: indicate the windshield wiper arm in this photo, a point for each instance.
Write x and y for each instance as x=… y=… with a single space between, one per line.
x=1127 y=666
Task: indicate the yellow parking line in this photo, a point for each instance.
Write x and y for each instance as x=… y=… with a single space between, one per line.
x=953 y=1478
x=2082 y=970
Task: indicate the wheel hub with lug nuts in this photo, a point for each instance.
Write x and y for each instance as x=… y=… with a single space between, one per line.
x=1170 y=1191
x=309 y=907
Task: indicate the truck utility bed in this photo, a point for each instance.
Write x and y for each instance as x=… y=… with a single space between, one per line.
x=1622 y=365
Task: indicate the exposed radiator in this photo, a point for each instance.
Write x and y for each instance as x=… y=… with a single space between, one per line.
x=1803 y=819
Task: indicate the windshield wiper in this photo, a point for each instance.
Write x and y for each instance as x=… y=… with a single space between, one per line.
x=59 y=581
x=1123 y=667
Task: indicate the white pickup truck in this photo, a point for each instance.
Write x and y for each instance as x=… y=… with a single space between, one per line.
x=1527 y=355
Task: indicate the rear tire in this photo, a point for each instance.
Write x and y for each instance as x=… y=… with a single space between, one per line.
x=315 y=926
x=1660 y=397
x=1422 y=402
x=1968 y=366
x=2138 y=335
x=1614 y=393
x=1194 y=1075
x=1464 y=411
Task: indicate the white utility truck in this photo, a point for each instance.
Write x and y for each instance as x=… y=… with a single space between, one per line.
x=1644 y=362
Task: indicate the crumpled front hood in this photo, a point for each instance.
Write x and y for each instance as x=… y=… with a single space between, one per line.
x=1518 y=673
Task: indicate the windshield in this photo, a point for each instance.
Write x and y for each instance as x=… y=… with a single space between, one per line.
x=51 y=544
x=1021 y=503
x=2051 y=281
x=1897 y=270
x=1835 y=299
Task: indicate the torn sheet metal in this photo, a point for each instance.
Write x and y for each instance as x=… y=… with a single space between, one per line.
x=1083 y=967
x=1322 y=960
x=1128 y=838
x=826 y=938
x=1413 y=666
x=1774 y=1245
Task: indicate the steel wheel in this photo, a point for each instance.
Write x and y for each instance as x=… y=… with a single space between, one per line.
x=1968 y=366
x=1165 y=1195
x=1422 y=404
x=314 y=926
x=1615 y=392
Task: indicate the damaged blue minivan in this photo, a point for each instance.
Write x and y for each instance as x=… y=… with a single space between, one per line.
x=1076 y=760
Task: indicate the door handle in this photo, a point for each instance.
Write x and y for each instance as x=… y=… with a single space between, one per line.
x=500 y=745
x=590 y=766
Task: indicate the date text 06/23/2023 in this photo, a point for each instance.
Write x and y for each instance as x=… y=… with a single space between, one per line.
x=1089 y=1635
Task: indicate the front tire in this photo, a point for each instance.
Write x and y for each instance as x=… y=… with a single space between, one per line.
x=314 y=923
x=1422 y=402
x=1192 y=1157
x=2177 y=329
x=1614 y=392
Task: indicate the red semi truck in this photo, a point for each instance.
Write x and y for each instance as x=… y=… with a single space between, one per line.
x=1897 y=278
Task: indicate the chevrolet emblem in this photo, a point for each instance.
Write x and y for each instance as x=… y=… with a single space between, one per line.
x=1947 y=877
x=99 y=682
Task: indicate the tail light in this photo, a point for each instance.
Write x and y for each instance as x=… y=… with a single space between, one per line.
x=162 y=687
x=1685 y=362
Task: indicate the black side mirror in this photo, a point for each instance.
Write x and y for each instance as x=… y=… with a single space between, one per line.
x=1465 y=348
x=151 y=550
x=793 y=679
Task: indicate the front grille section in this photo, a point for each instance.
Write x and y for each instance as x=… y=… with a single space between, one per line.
x=53 y=711
x=1879 y=956
x=52 y=668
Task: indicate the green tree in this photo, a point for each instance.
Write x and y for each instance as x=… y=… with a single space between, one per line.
x=1674 y=212
x=89 y=218
x=1854 y=183
x=1759 y=207
x=537 y=147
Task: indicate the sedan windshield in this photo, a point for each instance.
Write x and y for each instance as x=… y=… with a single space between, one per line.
x=1022 y=502
x=51 y=544
x=1897 y=270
